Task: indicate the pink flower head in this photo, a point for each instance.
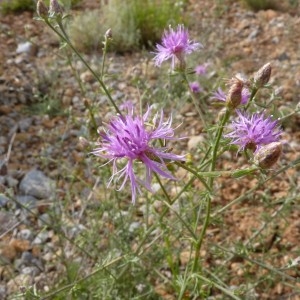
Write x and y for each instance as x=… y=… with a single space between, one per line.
x=221 y=96
x=253 y=131
x=130 y=139
x=201 y=69
x=175 y=45
x=195 y=87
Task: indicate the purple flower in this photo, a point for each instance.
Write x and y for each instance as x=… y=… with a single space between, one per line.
x=175 y=44
x=201 y=69
x=195 y=87
x=253 y=131
x=129 y=139
x=221 y=96
x=245 y=96
x=127 y=105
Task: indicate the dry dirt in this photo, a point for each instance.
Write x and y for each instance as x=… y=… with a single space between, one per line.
x=236 y=40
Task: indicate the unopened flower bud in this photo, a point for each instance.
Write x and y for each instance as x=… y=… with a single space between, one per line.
x=234 y=96
x=55 y=8
x=262 y=76
x=108 y=33
x=268 y=155
x=42 y=9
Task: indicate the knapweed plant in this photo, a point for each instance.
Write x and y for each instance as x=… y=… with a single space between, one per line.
x=176 y=193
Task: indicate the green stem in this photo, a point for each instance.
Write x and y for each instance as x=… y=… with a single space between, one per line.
x=77 y=77
x=258 y=185
x=289 y=115
x=163 y=188
x=56 y=227
x=197 y=174
x=219 y=287
x=198 y=108
x=209 y=196
x=70 y=286
x=259 y=263
x=202 y=234
x=105 y=45
x=137 y=252
x=90 y=109
x=253 y=93
x=65 y=38
x=169 y=203
x=217 y=142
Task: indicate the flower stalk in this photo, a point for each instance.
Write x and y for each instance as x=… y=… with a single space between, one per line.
x=208 y=198
x=63 y=35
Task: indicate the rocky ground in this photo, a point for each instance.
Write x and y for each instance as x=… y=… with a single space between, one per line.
x=239 y=41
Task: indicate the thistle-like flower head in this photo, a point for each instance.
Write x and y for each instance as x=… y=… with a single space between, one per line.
x=268 y=155
x=130 y=139
x=42 y=9
x=175 y=45
x=253 y=131
x=55 y=8
x=262 y=76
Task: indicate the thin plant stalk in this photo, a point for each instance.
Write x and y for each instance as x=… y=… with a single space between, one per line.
x=198 y=107
x=71 y=285
x=152 y=227
x=104 y=49
x=65 y=38
x=208 y=198
x=253 y=93
x=76 y=75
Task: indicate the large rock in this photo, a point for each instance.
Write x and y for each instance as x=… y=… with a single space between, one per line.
x=35 y=183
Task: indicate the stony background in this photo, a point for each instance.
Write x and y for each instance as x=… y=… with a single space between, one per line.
x=239 y=41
